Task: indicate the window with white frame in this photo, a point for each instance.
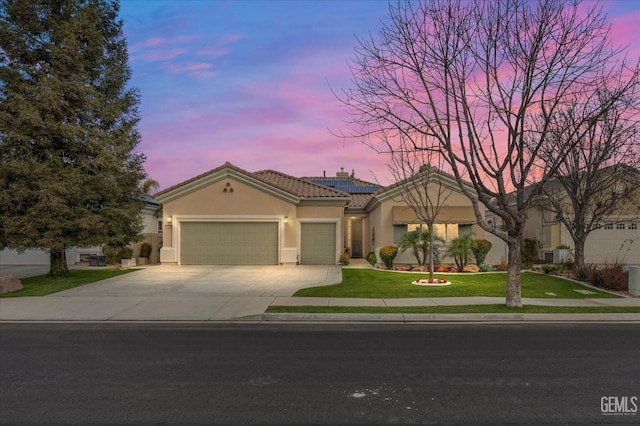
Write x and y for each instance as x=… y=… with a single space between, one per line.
x=446 y=231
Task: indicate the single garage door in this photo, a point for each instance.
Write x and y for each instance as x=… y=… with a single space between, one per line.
x=318 y=245
x=229 y=243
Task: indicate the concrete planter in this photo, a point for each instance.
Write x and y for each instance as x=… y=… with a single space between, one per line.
x=143 y=260
x=634 y=280
x=128 y=263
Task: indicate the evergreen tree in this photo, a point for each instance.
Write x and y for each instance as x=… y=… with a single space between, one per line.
x=69 y=172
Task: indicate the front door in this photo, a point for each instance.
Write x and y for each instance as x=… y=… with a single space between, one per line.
x=356 y=237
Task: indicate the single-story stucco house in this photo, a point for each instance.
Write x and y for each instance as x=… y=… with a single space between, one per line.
x=232 y=216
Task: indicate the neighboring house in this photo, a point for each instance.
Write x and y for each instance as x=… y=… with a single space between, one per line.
x=616 y=241
x=77 y=255
x=231 y=216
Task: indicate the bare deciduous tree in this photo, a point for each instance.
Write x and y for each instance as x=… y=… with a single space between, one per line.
x=598 y=181
x=483 y=80
x=423 y=187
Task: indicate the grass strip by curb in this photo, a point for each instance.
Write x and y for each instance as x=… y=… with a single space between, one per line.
x=43 y=285
x=458 y=309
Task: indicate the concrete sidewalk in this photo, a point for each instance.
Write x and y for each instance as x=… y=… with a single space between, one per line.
x=227 y=308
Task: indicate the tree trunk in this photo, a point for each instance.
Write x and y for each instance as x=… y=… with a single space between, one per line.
x=578 y=251
x=513 y=298
x=58 y=263
x=431 y=266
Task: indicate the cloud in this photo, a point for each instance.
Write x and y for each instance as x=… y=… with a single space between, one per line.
x=220 y=47
x=161 y=55
x=199 y=69
x=164 y=41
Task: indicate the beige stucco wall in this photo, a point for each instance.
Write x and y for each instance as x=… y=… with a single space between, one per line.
x=241 y=202
x=381 y=219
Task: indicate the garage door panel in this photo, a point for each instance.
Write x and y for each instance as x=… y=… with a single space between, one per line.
x=229 y=243
x=318 y=244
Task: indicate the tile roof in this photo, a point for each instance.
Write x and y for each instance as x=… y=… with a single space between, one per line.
x=297 y=186
x=358 y=191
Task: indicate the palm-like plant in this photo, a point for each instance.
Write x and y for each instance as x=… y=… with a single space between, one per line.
x=461 y=250
x=411 y=240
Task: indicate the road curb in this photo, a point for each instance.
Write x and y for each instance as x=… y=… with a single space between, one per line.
x=330 y=317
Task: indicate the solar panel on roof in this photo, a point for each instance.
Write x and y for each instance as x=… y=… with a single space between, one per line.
x=347 y=186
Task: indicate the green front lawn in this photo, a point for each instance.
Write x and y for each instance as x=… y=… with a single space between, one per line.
x=369 y=283
x=43 y=285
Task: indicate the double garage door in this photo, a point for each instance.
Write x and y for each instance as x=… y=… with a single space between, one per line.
x=229 y=243
x=252 y=243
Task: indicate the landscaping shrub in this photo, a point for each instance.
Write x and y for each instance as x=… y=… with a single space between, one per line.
x=480 y=250
x=581 y=272
x=114 y=256
x=388 y=254
x=371 y=258
x=344 y=258
x=503 y=265
x=611 y=277
x=487 y=268
x=126 y=253
x=145 y=250
x=530 y=252
x=548 y=269
x=461 y=250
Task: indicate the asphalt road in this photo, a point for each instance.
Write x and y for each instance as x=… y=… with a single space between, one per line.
x=319 y=374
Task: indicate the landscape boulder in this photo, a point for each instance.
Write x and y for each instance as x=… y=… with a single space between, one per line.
x=471 y=268
x=9 y=283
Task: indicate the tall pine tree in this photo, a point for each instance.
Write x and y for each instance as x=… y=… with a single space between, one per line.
x=69 y=172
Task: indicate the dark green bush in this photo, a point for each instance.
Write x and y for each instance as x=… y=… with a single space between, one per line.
x=480 y=250
x=371 y=258
x=529 y=252
x=145 y=250
x=126 y=253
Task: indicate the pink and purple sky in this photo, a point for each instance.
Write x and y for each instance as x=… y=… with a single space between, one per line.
x=250 y=82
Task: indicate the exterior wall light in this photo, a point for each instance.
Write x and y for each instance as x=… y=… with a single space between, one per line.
x=286 y=219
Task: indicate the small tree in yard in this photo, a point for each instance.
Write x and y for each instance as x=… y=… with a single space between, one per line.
x=411 y=241
x=481 y=83
x=69 y=173
x=600 y=180
x=461 y=250
x=423 y=186
x=420 y=243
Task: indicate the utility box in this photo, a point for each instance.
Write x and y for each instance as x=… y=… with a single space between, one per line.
x=560 y=255
x=634 y=280
x=98 y=260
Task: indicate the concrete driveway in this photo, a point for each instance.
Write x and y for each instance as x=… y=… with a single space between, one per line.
x=234 y=281
x=173 y=293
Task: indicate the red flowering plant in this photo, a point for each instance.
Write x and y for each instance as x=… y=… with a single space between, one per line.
x=433 y=281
